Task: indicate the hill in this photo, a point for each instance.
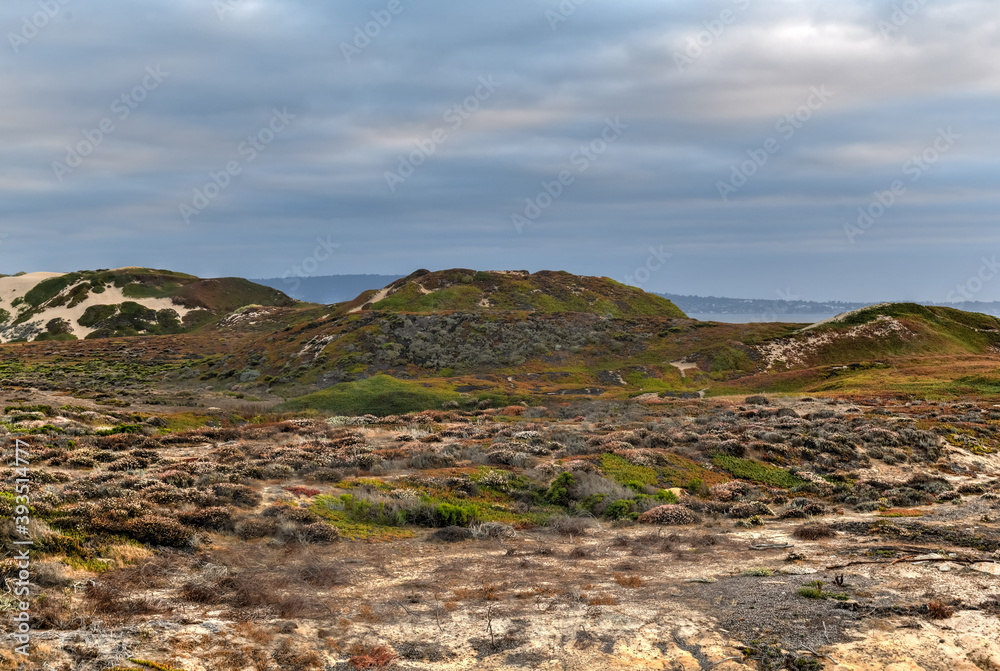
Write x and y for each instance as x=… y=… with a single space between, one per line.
x=328 y=359
x=121 y=302
x=546 y=291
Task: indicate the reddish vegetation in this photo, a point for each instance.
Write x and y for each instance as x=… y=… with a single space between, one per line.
x=377 y=657
x=301 y=490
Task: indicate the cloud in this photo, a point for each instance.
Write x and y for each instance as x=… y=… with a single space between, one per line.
x=893 y=89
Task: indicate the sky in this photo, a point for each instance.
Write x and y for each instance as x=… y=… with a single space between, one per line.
x=810 y=150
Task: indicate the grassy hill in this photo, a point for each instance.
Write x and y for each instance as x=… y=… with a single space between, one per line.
x=475 y=337
x=122 y=302
x=463 y=290
x=537 y=354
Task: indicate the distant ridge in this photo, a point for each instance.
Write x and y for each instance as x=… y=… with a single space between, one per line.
x=764 y=306
x=328 y=289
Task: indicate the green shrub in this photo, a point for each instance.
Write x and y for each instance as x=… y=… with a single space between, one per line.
x=559 y=490
x=121 y=428
x=621 y=509
x=451 y=515
x=811 y=593
x=696 y=486
x=667 y=496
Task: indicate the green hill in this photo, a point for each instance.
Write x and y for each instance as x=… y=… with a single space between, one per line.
x=121 y=302
x=463 y=290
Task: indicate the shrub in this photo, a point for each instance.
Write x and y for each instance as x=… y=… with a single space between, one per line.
x=620 y=509
x=377 y=657
x=158 y=530
x=320 y=532
x=241 y=495
x=730 y=491
x=571 y=526
x=452 y=534
x=667 y=496
x=814 y=509
x=629 y=581
x=750 y=522
x=813 y=532
x=811 y=593
x=745 y=510
x=256 y=527
x=670 y=514
x=939 y=611
x=493 y=530
x=448 y=514
x=217 y=518
x=559 y=490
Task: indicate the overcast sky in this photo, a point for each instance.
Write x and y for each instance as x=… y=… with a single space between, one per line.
x=704 y=147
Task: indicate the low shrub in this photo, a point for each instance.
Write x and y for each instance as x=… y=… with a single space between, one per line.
x=215 y=518
x=670 y=514
x=811 y=532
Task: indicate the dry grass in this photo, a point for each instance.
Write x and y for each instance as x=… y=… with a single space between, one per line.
x=602 y=600
x=628 y=581
x=939 y=611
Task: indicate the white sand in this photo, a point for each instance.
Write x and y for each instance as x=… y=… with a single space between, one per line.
x=683 y=366
x=382 y=293
x=842 y=316
x=12 y=287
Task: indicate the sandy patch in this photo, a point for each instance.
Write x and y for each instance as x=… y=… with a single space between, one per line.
x=683 y=365
x=15 y=287
x=794 y=351
x=382 y=293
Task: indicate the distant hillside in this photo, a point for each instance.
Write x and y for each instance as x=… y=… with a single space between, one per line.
x=328 y=288
x=121 y=302
x=768 y=307
x=464 y=290
x=720 y=306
